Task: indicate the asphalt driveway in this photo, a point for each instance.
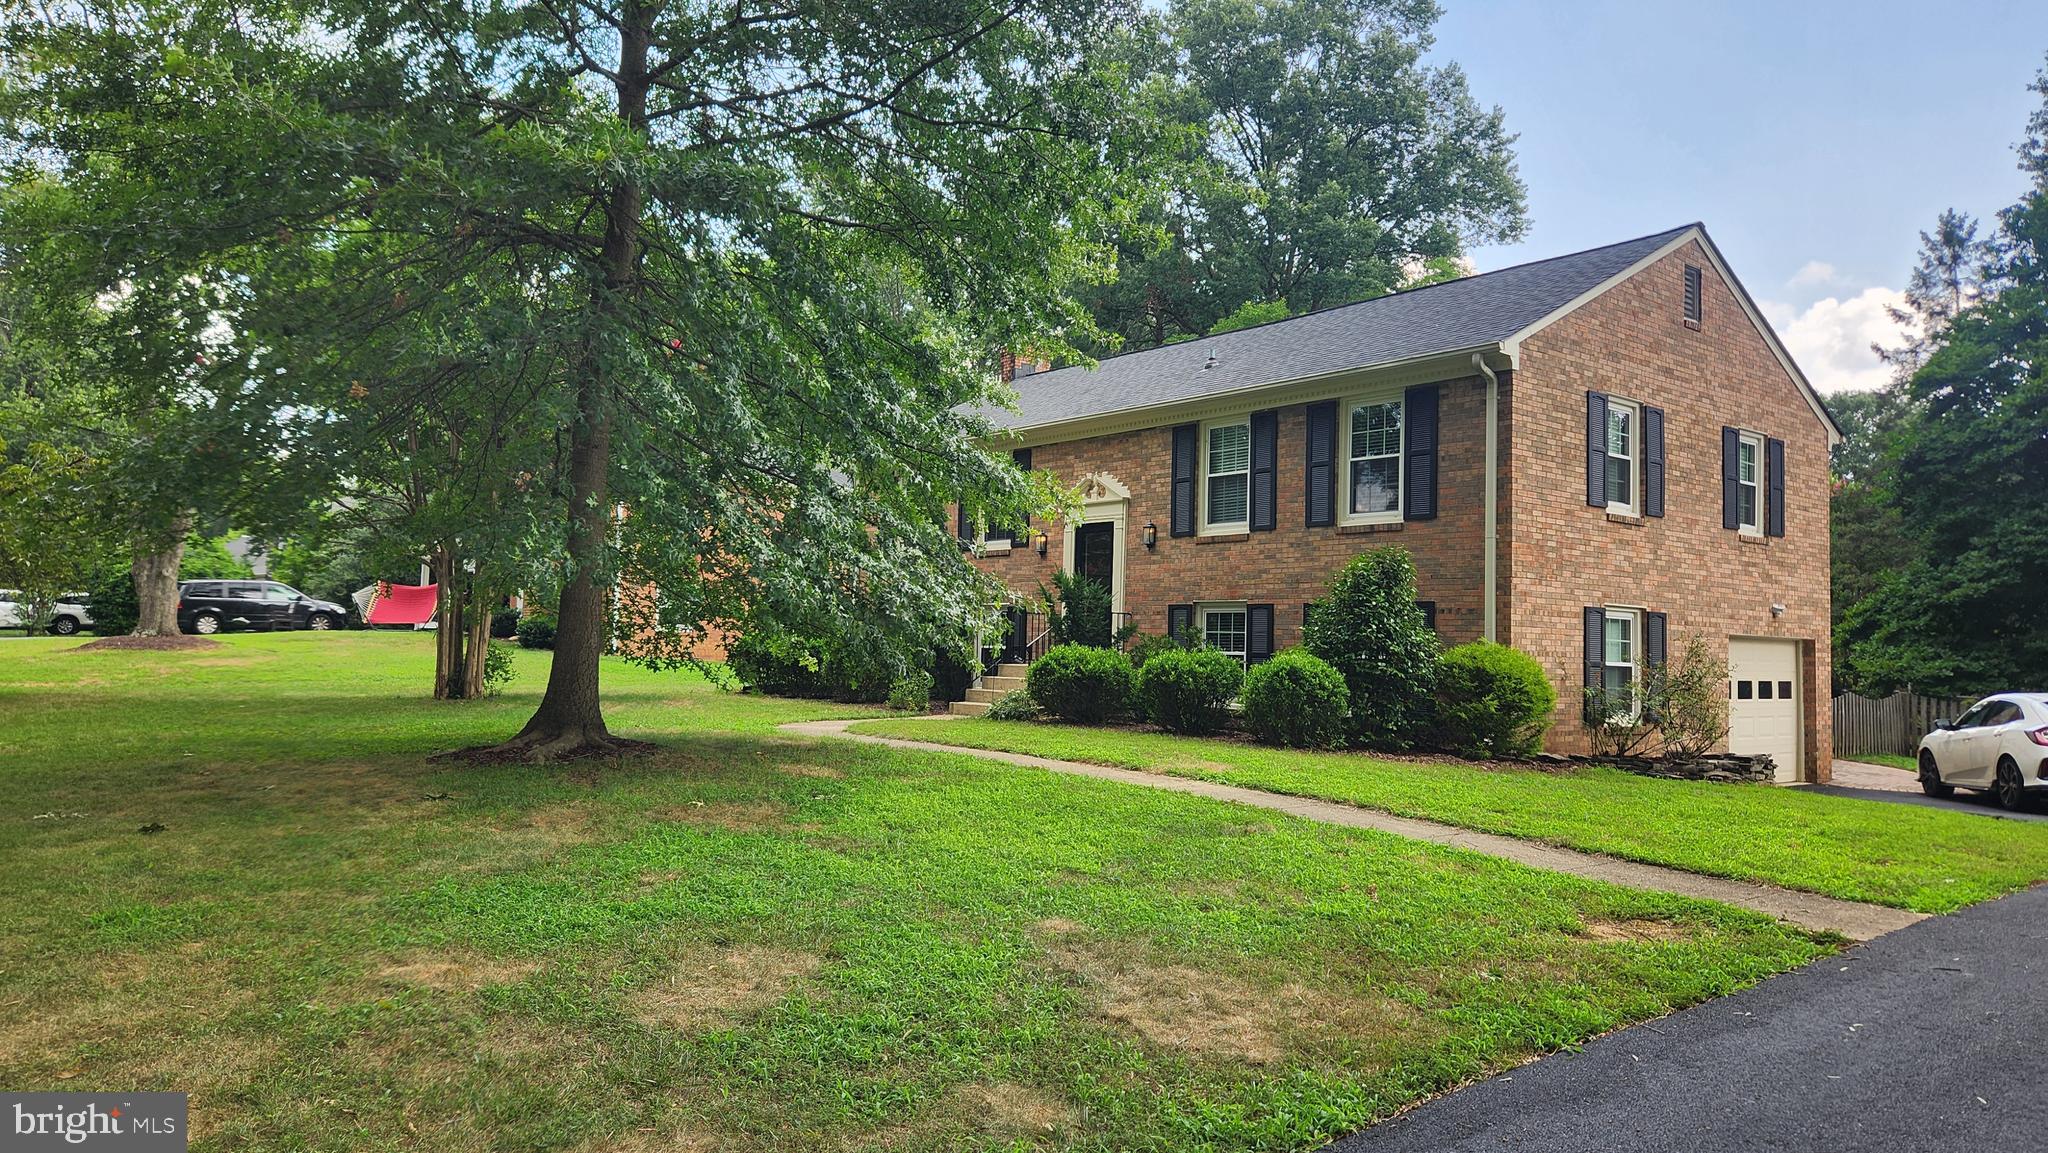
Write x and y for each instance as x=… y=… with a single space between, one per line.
x=1932 y=1038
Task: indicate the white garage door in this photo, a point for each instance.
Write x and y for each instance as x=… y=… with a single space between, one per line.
x=1763 y=705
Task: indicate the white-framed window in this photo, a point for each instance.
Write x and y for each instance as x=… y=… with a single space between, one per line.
x=1621 y=658
x=1624 y=451
x=1225 y=628
x=1227 y=476
x=1372 y=439
x=1749 y=483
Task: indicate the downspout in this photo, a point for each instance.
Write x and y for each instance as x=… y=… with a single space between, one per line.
x=1491 y=530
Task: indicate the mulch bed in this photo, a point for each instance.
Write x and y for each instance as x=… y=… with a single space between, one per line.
x=148 y=644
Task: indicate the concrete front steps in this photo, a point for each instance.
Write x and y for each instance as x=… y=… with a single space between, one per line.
x=1008 y=676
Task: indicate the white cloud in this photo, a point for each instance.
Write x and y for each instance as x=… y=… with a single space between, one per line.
x=1831 y=338
x=1813 y=272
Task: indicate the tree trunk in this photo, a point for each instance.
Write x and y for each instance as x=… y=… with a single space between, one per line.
x=449 y=678
x=155 y=571
x=479 y=634
x=570 y=720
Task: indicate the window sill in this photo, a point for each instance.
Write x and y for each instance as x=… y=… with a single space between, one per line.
x=1222 y=537
x=1752 y=538
x=1625 y=518
x=1693 y=324
x=1371 y=526
x=997 y=550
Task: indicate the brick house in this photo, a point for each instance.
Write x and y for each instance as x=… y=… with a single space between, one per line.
x=1589 y=457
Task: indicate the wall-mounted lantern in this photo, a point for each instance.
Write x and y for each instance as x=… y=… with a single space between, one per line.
x=1151 y=535
x=1040 y=543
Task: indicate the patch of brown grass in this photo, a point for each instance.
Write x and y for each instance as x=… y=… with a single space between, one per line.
x=1207 y=1013
x=1009 y=1110
x=710 y=987
x=1634 y=929
x=455 y=972
x=147 y=644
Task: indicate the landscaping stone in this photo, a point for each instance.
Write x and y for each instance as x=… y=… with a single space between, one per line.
x=1730 y=767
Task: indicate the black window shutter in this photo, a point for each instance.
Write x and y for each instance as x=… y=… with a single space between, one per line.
x=1596 y=659
x=1653 y=461
x=1596 y=449
x=1731 y=478
x=1265 y=457
x=1321 y=497
x=1179 y=619
x=1022 y=457
x=1183 y=511
x=1418 y=421
x=1774 y=464
x=1258 y=630
x=1653 y=639
x=964 y=530
x=1692 y=293
x=1428 y=613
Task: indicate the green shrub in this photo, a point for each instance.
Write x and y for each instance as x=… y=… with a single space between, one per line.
x=537 y=631
x=505 y=624
x=1189 y=690
x=1297 y=700
x=1145 y=646
x=777 y=666
x=497 y=667
x=1081 y=683
x=1369 y=630
x=1077 y=612
x=912 y=691
x=1492 y=701
x=114 y=607
x=1015 y=705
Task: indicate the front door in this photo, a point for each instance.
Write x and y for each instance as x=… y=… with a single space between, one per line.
x=1095 y=554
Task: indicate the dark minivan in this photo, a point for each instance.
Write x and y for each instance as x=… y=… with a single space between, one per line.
x=208 y=606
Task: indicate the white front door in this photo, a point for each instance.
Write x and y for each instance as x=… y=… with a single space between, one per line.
x=1763 y=703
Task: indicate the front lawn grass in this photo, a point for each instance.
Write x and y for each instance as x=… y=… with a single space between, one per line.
x=1905 y=856
x=744 y=941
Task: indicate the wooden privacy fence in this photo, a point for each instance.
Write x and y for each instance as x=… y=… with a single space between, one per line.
x=1893 y=725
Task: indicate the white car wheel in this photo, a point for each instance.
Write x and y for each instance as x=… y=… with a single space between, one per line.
x=206 y=625
x=320 y=623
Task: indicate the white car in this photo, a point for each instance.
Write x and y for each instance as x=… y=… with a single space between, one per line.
x=1999 y=746
x=70 y=615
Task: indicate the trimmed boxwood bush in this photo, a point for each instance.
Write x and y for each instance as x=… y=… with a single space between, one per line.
x=537 y=631
x=1369 y=629
x=1492 y=701
x=1189 y=691
x=1296 y=699
x=1079 y=683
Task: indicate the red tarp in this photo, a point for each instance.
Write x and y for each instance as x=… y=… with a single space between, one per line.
x=394 y=604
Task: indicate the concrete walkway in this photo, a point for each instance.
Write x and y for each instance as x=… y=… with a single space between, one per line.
x=1810 y=911
x=1864 y=775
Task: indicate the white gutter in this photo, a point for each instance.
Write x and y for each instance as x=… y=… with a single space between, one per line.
x=1492 y=486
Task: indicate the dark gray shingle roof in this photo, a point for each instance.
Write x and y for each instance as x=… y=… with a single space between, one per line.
x=1457 y=314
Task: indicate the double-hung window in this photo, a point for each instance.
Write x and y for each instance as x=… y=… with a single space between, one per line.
x=1624 y=447
x=1749 y=473
x=1622 y=662
x=1225 y=628
x=1374 y=469
x=1227 y=476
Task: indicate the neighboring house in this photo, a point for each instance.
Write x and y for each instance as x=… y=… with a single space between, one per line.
x=1589 y=457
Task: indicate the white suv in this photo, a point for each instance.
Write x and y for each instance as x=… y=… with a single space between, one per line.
x=70 y=616
x=1999 y=746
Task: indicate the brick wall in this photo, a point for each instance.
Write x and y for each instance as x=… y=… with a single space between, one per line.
x=1292 y=563
x=1633 y=343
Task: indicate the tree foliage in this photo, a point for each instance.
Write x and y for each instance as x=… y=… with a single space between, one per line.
x=1316 y=160
x=1957 y=608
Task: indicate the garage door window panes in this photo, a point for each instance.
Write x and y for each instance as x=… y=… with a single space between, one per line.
x=1225 y=630
x=1618 y=679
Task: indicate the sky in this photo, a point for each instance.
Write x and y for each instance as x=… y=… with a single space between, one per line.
x=1816 y=139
